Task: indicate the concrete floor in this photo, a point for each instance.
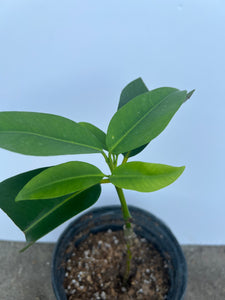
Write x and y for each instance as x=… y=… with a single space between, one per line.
x=27 y=276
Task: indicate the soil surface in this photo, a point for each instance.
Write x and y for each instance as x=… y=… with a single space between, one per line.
x=95 y=270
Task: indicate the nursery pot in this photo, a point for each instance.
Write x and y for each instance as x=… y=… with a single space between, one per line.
x=110 y=217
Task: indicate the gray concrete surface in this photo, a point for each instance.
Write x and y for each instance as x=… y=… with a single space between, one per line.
x=26 y=276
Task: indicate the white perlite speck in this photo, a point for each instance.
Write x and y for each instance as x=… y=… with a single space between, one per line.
x=103 y=295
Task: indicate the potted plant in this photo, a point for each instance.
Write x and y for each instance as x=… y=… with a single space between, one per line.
x=40 y=200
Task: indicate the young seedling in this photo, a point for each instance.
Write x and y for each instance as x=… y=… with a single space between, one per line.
x=40 y=200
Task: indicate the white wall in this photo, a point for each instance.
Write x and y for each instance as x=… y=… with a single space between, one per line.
x=74 y=57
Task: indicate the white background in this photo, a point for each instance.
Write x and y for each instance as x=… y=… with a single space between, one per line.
x=74 y=57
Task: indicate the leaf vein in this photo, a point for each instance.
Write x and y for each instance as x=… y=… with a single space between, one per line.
x=136 y=124
x=51 y=138
x=50 y=211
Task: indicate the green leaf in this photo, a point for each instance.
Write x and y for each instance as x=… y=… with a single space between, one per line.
x=135 y=151
x=144 y=177
x=61 y=180
x=45 y=134
x=133 y=89
x=98 y=133
x=142 y=119
x=37 y=218
x=189 y=95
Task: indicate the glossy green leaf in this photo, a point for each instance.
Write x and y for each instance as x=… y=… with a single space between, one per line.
x=45 y=134
x=133 y=89
x=144 y=177
x=98 y=133
x=61 y=180
x=189 y=94
x=37 y=218
x=142 y=119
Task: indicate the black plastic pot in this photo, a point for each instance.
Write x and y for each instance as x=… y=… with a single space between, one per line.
x=110 y=217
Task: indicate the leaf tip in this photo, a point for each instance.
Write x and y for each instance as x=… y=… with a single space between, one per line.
x=189 y=94
x=182 y=168
x=26 y=247
x=19 y=197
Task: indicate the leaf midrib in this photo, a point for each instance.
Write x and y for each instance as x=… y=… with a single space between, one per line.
x=136 y=124
x=66 y=179
x=140 y=176
x=52 y=210
x=50 y=138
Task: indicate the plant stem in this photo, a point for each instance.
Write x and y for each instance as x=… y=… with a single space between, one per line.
x=128 y=233
x=104 y=181
x=111 y=164
x=128 y=229
x=105 y=157
x=125 y=159
x=125 y=210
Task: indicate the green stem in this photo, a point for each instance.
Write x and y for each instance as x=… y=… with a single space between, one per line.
x=111 y=161
x=125 y=159
x=128 y=233
x=105 y=157
x=108 y=160
x=125 y=210
x=105 y=181
x=115 y=159
x=111 y=165
x=128 y=264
